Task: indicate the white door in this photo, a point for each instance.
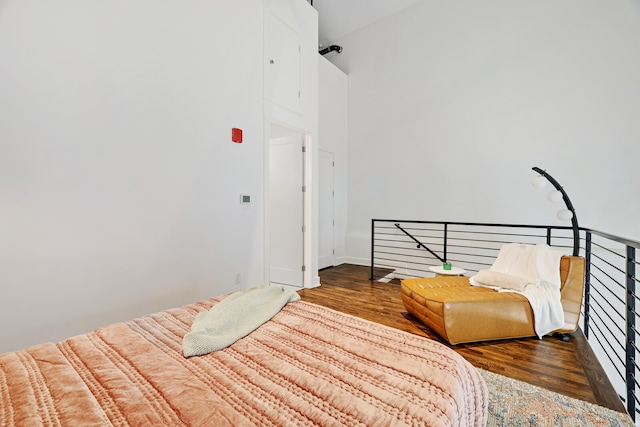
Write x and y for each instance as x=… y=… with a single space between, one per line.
x=326 y=220
x=286 y=214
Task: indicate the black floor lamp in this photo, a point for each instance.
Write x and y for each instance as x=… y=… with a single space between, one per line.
x=554 y=196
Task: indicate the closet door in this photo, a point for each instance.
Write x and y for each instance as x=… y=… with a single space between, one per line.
x=326 y=222
x=282 y=57
x=286 y=210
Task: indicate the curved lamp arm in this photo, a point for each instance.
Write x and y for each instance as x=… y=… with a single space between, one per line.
x=574 y=218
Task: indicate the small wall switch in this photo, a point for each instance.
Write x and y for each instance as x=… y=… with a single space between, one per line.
x=245 y=199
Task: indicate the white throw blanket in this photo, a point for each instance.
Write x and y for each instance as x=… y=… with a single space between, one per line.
x=234 y=317
x=540 y=266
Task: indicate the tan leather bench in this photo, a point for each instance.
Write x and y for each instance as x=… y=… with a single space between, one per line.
x=459 y=312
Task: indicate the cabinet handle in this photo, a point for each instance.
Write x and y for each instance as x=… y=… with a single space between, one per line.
x=271 y=61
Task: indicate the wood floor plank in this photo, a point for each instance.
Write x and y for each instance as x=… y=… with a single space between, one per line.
x=568 y=368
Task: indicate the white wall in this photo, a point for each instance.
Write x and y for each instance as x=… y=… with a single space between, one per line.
x=452 y=103
x=334 y=130
x=119 y=183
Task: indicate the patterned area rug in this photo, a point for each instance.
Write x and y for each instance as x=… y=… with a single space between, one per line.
x=516 y=403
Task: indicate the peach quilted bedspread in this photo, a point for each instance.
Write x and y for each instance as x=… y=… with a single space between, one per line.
x=308 y=365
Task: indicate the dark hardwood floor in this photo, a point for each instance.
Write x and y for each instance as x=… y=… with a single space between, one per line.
x=568 y=368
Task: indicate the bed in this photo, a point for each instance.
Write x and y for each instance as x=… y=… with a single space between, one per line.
x=308 y=365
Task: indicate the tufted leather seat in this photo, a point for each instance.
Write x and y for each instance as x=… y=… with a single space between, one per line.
x=461 y=313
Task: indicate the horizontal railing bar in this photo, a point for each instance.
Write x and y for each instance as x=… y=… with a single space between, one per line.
x=403 y=249
x=484 y=241
x=459 y=246
x=598 y=295
x=459 y=234
x=393 y=231
x=601 y=322
x=489 y=233
x=608 y=341
x=405 y=266
x=387 y=267
x=606 y=274
x=477 y=224
x=458 y=239
x=388 y=263
x=461 y=239
x=414 y=229
x=399 y=238
x=473 y=255
x=615 y=267
x=619 y=257
x=407 y=255
x=434 y=239
x=623 y=240
x=609 y=316
x=615 y=366
x=400 y=245
x=604 y=248
x=597 y=279
x=411 y=228
x=415 y=267
x=597 y=291
x=405 y=240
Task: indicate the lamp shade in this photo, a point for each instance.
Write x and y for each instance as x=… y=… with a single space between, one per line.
x=539 y=181
x=565 y=215
x=554 y=196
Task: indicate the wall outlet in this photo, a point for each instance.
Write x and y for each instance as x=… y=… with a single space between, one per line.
x=237 y=279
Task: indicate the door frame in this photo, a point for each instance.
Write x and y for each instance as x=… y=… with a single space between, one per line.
x=271 y=127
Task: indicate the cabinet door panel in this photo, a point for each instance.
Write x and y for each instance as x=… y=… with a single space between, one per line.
x=282 y=68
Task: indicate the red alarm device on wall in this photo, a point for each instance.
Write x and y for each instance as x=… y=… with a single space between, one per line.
x=236 y=135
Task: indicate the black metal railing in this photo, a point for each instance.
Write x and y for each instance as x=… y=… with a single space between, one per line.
x=401 y=248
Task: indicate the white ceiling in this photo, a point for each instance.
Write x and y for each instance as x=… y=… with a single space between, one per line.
x=338 y=18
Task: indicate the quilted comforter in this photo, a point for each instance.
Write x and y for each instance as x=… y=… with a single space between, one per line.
x=308 y=365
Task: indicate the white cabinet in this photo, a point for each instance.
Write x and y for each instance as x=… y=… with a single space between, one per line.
x=282 y=62
x=291 y=56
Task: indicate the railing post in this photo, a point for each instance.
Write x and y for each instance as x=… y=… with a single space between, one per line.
x=373 y=238
x=549 y=236
x=444 y=248
x=587 y=283
x=631 y=335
